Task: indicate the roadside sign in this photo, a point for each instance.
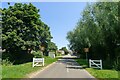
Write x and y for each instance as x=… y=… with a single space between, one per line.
x=86 y=49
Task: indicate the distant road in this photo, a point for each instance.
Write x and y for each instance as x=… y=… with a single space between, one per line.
x=64 y=68
x=68 y=56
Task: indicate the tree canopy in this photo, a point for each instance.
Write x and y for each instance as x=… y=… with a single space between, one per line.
x=22 y=29
x=65 y=50
x=52 y=46
x=99 y=30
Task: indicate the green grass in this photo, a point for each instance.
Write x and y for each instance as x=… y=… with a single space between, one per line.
x=20 y=71
x=82 y=62
x=102 y=74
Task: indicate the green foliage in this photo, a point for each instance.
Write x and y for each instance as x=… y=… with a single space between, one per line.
x=117 y=65
x=37 y=54
x=52 y=46
x=58 y=54
x=6 y=62
x=82 y=62
x=22 y=27
x=65 y=50
x=103 y=74
x=99 y=30
x=117 y=61
x=22 y=70
x=23 y=30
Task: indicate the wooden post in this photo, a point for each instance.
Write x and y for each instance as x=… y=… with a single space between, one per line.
x=86 y=50
x=86 y=56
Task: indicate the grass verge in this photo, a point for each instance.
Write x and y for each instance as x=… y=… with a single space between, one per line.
x=82 y=62
x=20 y=71
x=101 y=74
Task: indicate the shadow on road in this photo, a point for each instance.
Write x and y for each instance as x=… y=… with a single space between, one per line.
x=70 y=63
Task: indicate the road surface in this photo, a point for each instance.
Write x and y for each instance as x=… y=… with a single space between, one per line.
x=64 y=68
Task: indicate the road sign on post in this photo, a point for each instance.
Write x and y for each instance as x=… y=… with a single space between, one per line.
x=86 y=50
x=42 y=48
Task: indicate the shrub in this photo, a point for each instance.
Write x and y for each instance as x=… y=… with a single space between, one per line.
x=37 y=54
x=117 y=59
x=6 y=62
x=116 y=65
x=107 y=64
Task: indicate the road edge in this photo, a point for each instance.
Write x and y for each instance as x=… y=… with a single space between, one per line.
x=33 y=74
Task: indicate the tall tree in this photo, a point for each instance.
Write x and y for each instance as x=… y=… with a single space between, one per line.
x=65 y=50
x=22 y=28
x=97 y=29
x=52 y=46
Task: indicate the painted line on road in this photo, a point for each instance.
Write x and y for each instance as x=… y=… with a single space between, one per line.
x=67 y=69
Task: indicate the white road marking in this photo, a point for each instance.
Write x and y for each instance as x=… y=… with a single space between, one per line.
x=60 y=63
x=67 y=69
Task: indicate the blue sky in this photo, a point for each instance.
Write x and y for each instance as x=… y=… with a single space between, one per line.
x=61 y=17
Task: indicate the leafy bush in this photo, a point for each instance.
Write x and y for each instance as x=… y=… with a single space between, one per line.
x=16 y=58
x=107 y=64
x=117 y=65
x=6 y=62
x=37 y=54
x=117 y=59
x=58 y=54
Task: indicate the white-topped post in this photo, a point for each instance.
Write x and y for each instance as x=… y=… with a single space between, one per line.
x=33 y=62
x=101 y=63
x=43 y=61
x=90 y=63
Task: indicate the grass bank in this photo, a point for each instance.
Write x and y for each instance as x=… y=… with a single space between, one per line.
x=20 y=71
x=102 y=74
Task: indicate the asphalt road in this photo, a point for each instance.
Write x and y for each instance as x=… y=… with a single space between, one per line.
x=64 y=68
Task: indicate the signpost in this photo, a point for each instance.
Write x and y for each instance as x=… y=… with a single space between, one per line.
x=86 y=50
x=42 y=48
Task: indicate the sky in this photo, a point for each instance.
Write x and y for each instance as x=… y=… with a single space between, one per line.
x=61 y=17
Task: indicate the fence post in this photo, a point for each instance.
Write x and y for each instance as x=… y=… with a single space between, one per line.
x=90 y=63
x=33 y=62
x=43 y=61
x=101 y=64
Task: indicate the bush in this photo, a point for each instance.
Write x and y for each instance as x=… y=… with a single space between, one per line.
x=117 y=64
x=6 y=62
x=58 y=54
x=107 y=64
x=37 y=54
x=117 y=59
